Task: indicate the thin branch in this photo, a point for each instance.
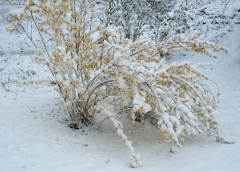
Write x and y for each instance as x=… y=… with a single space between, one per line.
x=137 y=52
x=14 y=3
x=30 y=37
x=102 y=122
x=173 y=76
x=39 y=33
x=90 y=95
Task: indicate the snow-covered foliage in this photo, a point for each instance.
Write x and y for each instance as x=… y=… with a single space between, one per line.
x=204 y=17
x=91 y=62
x=135 y=17
x=162 y=19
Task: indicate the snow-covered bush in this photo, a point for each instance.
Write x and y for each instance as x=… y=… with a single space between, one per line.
x=215 y=17
x=90 y=63
x=161 y=19
x=135 y=17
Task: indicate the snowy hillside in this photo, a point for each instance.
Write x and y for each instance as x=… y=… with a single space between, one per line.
x=35 y=136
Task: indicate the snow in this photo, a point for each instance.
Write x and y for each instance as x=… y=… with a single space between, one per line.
x=34 y=137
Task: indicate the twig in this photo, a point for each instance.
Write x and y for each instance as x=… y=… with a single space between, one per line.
x=102 y=122
x=225 y=8
x=14 y=3
x=189 y=87
x=30 y=37
x=221 y=140
x=45 y=47
x=90 y=95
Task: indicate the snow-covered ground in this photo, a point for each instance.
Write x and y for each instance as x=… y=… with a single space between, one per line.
x=34 y=137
